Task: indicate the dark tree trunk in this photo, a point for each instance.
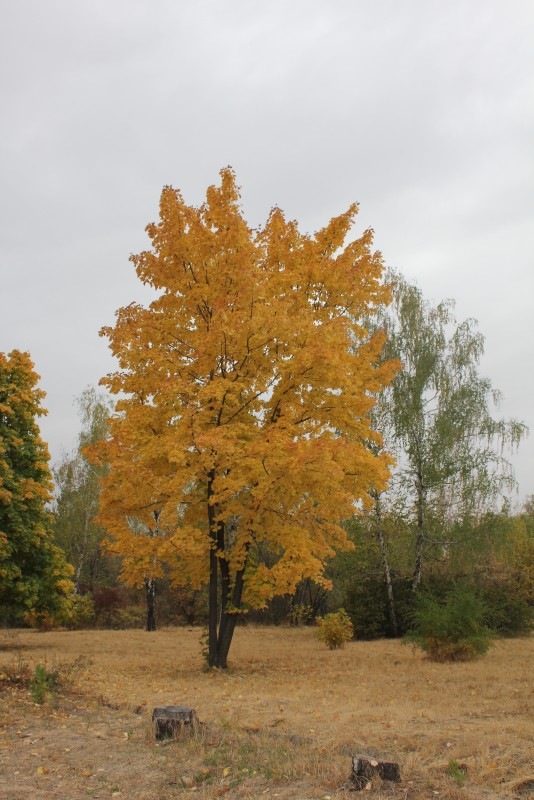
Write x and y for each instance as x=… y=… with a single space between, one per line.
x=150 y=584
x=228 y=621
x=311 y=599
x=214 y=573
x=223 y=610
x=150 y=589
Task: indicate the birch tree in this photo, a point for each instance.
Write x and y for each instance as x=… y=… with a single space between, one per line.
x=78 y=493
x=438 y=419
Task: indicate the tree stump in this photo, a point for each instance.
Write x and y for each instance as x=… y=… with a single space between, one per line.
x=172 y=721
x=365 y=769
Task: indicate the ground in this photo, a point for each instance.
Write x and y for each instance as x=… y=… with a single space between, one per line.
x=282 y=722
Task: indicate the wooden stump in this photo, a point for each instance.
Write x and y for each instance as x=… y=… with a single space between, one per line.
x=172 y=721
x=365 y=769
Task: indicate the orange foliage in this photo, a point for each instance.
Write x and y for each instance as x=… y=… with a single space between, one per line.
x=246 y=388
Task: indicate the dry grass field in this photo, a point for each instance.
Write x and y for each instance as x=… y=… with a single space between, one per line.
x=282 y=722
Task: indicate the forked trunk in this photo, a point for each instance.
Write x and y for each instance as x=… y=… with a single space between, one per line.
x=222 y=613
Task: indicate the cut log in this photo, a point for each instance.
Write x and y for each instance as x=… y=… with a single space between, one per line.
x=365 y=769
x=172 y=721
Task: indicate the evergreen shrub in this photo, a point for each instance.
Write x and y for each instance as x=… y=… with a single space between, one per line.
x=44 y=684
x=451 y=628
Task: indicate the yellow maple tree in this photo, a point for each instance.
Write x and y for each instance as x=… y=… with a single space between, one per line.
x=245 y=393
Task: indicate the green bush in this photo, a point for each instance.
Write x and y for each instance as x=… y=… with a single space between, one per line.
x=457 y=772
x=367 y=604
x=63 y=676
x=335 y=629
x=451 y=628
x=507 y=612
x=81 y=613
x=300 y=615
x=44 y=684
x=128 y=617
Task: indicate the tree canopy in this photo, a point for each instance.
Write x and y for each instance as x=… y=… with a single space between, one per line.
x=245 y=390
x=34 y=576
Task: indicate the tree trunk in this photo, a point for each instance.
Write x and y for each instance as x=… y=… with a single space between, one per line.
x=213 y=609
x=420 y=538
x=83 y=554
x=213 y=596
x=385 y=563
x=228 y=622
x=150 y=589
x=222 y=614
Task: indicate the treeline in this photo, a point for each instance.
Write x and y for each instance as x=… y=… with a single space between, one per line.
x=492 y=557
x=445 y=518
x=294 y=431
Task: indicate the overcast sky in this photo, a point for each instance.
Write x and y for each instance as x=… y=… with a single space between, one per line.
x=421 y=110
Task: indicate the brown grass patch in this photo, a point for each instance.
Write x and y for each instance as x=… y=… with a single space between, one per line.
x=282 y=721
